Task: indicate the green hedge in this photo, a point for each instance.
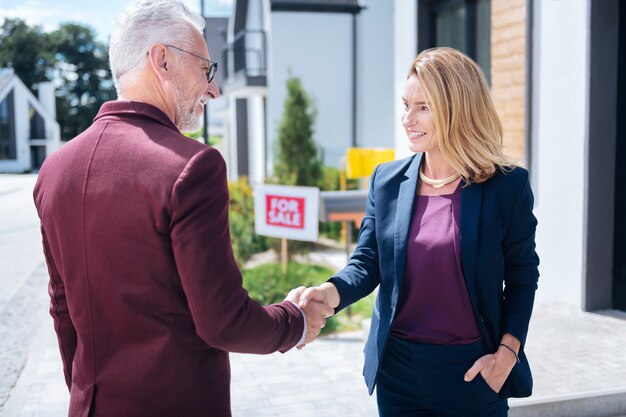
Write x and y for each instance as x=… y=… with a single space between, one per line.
x=267 y=284
x=241 y=216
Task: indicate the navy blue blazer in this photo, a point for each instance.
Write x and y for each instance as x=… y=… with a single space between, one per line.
x=497 y=233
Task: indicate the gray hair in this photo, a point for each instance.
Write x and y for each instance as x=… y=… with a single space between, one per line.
x=144 y=23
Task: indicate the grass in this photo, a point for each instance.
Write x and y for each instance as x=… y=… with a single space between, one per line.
x=267 y=284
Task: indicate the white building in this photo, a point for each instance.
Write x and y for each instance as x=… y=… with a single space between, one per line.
x=340 y=51
x=28 y=128
x=557 y=70
x=574 y=136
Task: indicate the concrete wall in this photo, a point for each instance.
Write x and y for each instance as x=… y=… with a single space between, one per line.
x=376 y=118
x=316 y=47
x=404 y=51
x=230 y=141
x=560 y=118
x=256 y=139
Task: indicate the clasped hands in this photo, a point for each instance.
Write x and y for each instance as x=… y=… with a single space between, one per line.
x=318 y=304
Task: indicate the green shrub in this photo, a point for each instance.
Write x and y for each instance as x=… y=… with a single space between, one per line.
x=267 y=284
x=241 y=216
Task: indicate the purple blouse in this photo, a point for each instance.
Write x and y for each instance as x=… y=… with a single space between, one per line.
x=434 y=305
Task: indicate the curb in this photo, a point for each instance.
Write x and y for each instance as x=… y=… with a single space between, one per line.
x=603 y=403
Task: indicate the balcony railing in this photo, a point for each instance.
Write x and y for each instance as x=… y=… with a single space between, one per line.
x=246 y=55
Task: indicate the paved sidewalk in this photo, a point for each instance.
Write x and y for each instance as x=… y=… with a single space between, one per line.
x=577 y=357
x=323 y=379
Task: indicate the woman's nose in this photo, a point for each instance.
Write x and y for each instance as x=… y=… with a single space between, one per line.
x=408 y=119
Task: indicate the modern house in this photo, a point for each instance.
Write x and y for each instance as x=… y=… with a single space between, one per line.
x=557 y=70
x=558 y=75
x=340 y=51
x=28 y=128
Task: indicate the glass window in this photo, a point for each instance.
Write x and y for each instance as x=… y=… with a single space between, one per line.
x=37 y=124
x=7 y=129
x=450 y=27
x=461 y=24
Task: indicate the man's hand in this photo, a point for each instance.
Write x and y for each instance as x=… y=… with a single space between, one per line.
x=316 y=313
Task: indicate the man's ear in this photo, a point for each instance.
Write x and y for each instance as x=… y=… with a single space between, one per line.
x=158 y=61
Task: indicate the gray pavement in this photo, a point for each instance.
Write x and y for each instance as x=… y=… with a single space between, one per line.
x=23 y=295
x=577 y=358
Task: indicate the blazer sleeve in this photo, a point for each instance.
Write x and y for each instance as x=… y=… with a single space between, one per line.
x=224 y=315
x=362 y=273
x=520 y=262
x=63 y=326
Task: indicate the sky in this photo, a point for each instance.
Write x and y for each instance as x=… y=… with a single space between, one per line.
x=98 y=14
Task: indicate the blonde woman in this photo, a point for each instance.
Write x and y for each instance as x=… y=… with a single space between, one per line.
x=449 y=236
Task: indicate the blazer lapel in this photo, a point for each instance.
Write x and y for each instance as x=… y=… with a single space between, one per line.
x=471 y=198
x=404 y=209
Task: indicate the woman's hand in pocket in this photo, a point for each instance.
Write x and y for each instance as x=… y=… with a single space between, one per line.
x=494 y=368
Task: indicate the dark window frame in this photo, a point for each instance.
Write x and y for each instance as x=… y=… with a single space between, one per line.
x=427 y=28
x=37 y=124
x=11 y=141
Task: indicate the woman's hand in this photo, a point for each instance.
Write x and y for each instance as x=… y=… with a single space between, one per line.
x=326 y=293
x=496 y=367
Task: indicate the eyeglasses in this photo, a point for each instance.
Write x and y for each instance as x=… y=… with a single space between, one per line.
x=210 y=72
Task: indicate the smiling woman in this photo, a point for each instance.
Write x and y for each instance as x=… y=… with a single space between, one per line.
x=449 y=240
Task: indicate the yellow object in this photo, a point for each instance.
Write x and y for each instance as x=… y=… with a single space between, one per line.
x=360 y=162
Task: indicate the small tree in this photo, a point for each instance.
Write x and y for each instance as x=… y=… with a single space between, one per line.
x=297 y=156
x=297 y=161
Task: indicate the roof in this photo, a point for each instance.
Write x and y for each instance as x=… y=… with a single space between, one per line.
x=325 y=6
x=5 y=76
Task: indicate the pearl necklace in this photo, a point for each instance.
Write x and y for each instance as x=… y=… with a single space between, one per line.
x=438 y=183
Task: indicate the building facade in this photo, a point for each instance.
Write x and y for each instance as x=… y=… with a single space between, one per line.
x=28 y=128
x=558 y=75
x=557 y=71
x=340 y=51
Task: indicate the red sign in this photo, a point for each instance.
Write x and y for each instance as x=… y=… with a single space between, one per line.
x=285 y=211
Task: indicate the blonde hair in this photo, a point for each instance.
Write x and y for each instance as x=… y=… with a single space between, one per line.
x=468 y=129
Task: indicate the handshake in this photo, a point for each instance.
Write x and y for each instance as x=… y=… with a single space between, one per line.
x=317 y=304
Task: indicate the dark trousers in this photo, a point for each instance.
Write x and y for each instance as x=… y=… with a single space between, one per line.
x=427 y=380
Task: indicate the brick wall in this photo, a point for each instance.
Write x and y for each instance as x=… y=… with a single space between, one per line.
x=508 y=71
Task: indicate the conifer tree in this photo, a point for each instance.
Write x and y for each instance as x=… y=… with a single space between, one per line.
x=297 y=159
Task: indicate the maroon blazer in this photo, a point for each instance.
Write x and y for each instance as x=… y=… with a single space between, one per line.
x=145 y=294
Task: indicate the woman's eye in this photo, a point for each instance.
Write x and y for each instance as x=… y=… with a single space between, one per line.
x=424 y=109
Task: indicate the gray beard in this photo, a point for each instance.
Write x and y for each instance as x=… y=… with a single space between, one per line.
x=189 y=122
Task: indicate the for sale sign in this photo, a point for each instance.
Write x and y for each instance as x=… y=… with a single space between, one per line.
x=287 y=212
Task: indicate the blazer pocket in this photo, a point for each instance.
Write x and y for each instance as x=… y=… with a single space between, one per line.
x=490 y=226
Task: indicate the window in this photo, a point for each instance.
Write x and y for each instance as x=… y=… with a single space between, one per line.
x=37 y=124
x=7 y=129
x=461 y=24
